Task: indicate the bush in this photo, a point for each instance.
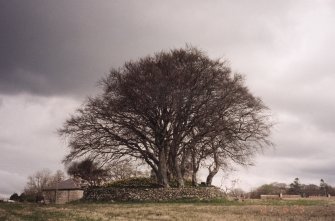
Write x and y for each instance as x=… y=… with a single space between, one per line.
x=28 y=198
x=135 y=182
x=187 y=183
x=145 y=182
x=14 y=197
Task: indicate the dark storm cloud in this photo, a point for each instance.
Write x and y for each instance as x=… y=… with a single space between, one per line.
x=52 y=47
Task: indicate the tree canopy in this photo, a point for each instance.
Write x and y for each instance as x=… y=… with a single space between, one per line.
x=88 y=171
x=174 y=110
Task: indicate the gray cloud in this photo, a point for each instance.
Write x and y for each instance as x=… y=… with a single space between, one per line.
x=28 y=139
x=13 y=183
x=324 y=169
x=47 y=48
x=65 y=47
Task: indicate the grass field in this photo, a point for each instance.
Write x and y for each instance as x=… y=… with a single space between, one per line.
x=266 y=210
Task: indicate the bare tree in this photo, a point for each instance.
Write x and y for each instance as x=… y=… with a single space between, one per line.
x=166 y=109
x=38 y=181
x=58 y=176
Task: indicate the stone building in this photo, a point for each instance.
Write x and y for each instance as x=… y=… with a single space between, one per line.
x=63 y=192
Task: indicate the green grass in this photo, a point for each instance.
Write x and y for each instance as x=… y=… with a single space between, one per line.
x=216 y=209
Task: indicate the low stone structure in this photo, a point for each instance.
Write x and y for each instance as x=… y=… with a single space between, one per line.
x=286 y=196
x=151 y=194
x=268 y=197
x=63 y=192
x=321 y=197
x=279 y=196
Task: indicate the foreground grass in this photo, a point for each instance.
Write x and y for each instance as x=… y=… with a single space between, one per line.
x=180 y=210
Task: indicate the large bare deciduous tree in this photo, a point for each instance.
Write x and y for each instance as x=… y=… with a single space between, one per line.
x=172 y=110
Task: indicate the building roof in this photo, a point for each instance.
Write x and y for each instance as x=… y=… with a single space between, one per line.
x=69 y=184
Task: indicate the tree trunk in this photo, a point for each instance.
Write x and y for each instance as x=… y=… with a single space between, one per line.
x=211 y=175
x=162 y=170
x=179 y=177
x=213 y=172
x=194 y=179
x=182 y=165
x=195 y=168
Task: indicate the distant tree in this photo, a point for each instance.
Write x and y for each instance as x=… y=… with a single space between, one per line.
x=23 y=197
x=38 y=181
x=295 y=187
x=167 y=109
x=310 y=190
x=281 y=187
x=14 y=197
x=57 y=177
x=323 y=188
x=331 y=190
x=236 y=192
x=88 y=171
x=269 y=189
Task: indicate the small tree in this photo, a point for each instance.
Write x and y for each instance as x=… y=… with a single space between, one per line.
x=271 y=189
x=14 y=197
x=57 y=177
x=331 y=190
x=38 y=181
x=27 y=198
x=323 y=188
x=311 y=190
x=88 y=171
x=295 y=187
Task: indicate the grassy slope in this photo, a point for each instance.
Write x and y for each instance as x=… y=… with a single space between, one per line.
x=214 y=210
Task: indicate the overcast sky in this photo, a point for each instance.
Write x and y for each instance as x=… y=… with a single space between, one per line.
x=52 y=53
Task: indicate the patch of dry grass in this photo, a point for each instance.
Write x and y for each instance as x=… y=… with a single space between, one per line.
x=249 y=210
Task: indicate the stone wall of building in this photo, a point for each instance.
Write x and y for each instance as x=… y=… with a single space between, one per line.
x=62 y=196
x=151 y=194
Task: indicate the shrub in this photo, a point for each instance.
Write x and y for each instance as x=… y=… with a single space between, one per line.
x=134 y=182
x=187 y=183
x=14 y=197
x=145 y=182
x=28 y=197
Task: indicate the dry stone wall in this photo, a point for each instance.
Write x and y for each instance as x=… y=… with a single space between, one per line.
x=151 y=194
